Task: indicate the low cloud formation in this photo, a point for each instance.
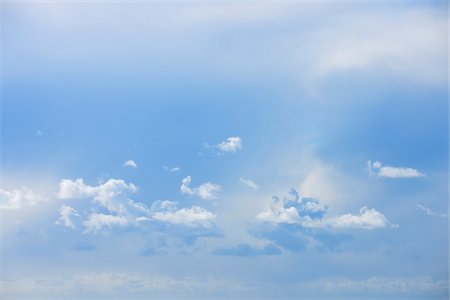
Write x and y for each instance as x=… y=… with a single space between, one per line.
x=120 y=212
x=19 y=198
x=392 y=172
x=292 y=222
x=308 y=213
x=206 y=191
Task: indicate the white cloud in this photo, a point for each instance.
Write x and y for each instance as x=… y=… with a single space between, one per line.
x=97 y=222
x=232 y=144
x=249 y=183
x=365 y=219
x=18 y=198
x=167 y=211
x=112 y=194
x=307 y=212
x=411 y=43
x=67 y=214
x=173 y=170
x=430 y=212
x=207 y=190
x=130 y=164
x=392 y=172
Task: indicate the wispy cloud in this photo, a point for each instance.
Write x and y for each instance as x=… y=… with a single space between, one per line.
x=430 y=212
x=249 y=183
x=392 y=172
x=130 y=164
x=66 y=216
x=207 y=190
x=172 y=169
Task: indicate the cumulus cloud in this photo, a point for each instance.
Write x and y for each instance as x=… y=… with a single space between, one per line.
x=124 y=212
x=19 y=198
x=249 y=183
x=308 y=213
x=98 y=222
x=392 y=172
x=167 y=211
x=232 y=144
x=130 y=164
x=112 y=194
x=206 y=191
x=292 y=223
x=429 y=211
x=67 y=215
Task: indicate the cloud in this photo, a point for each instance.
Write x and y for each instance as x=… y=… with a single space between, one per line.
x=392 y=172
x=247 y=250
x=39 y=133
x=124 y=213
x=249 y=183
x=293 y=222
x=378 y=286
x=365 y=219
x=125 y=285
x=383 y=41
x=173 y=170
x=130 y=164
x=98 y=222
x=167 y=211
x=308 y=213
x=205 y=191
x=232 y=144
x=112 y=194
x=19 y=198
x=67 y=214
x=430 y=212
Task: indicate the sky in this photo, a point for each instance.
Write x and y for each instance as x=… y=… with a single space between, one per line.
x=224 y=150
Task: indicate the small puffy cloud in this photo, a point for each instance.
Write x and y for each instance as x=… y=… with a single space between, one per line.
x=112 y=194
x=130 y=164
x=173 y=169
x=167 y=212
x=67 y=215
x=206 y=191
x=98 y=222
x=247 y=250
x=292 y=210
x=232 y=144
x=392 y=172
x=19 y=198
x=365 y=219
x=430 y=212
x=249 y=183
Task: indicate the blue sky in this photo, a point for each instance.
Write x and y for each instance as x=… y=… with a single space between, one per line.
x=224 y=150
